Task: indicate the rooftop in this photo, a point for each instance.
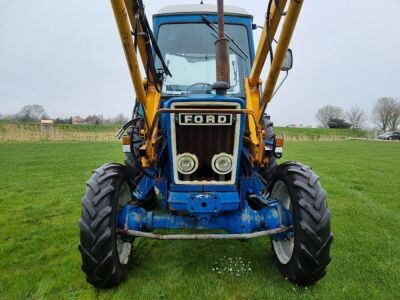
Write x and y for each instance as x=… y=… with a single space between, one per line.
x=202 y=8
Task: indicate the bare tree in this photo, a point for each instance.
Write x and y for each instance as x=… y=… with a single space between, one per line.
x=385 y=113
x=32 y=113
x=328 y=112
x=120 y=119
x=395 y=116
x=356 y=117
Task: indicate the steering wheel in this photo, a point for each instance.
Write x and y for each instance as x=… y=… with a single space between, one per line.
x=204 y=84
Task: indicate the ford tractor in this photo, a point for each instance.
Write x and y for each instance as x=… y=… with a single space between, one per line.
x=200 y=150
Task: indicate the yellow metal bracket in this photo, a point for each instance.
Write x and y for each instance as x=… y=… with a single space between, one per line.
x=255 y=102
x=145 y=89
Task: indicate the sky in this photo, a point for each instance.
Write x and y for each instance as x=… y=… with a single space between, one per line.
x=67 y=56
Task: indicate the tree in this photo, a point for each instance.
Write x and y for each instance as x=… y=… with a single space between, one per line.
x=386 y=113
x=356 y=117
x=94 y=120
x=395 y=116
x=327 y=113
x=32 y=113
x=119 y=119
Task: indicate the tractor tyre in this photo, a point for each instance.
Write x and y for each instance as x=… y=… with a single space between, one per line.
x=134 y=165
x=132 y=160
x=106 y=257
x=303 y=257
x=268 y=170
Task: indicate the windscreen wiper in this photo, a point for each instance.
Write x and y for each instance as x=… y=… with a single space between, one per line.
x=233 y=50
x=215 y=29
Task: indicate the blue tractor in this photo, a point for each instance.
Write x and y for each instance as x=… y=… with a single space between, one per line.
x=200 y=151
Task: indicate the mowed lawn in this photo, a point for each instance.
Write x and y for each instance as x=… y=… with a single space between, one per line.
x=40 y=190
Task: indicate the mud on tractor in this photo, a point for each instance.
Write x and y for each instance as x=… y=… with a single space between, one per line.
x=200 y=150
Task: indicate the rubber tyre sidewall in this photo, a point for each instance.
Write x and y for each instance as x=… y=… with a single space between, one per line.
x=291 y=269
x=108 y=278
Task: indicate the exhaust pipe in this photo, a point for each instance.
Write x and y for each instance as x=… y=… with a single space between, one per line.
x=222 y=55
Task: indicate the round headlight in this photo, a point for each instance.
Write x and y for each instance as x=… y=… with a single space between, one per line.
x=222 y=163
x=187 y=163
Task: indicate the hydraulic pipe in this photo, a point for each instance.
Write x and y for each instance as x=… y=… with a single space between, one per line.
x=280 y=53
x=125 y=32
x=222 y=49
x=265 y=41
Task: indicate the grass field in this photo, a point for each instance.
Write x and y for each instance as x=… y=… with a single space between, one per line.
x=314 y=134
x=40 y=189
x=32 y=132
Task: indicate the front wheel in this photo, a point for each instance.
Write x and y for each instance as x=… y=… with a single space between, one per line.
x=303 y=256
x=106 y=257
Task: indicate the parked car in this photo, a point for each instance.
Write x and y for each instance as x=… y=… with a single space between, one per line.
x=390 y=135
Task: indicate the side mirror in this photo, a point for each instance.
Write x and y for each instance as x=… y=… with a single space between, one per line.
x=288 y=62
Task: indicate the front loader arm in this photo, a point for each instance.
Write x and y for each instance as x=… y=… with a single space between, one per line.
x=126 y=14
x=256 y=102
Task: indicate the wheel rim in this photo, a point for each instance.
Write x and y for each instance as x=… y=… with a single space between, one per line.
x=123 y=248
x=283 y=248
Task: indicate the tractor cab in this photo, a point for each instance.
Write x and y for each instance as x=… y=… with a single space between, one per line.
x=186 y=35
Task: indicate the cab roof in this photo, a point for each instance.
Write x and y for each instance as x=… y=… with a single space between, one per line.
x=196 y=9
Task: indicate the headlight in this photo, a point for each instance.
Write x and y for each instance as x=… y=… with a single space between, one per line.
x=187 y=163
x=222 y=163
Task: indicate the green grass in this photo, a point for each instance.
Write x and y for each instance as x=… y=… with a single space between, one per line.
x=40 y=189
x=88 y=128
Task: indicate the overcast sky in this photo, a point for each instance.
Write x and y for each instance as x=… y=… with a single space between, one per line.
x=66 y=56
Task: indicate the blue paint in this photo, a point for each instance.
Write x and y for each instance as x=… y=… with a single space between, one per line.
x=204 y=206
x=211 y=203
x=245 y=220
x=145 y=185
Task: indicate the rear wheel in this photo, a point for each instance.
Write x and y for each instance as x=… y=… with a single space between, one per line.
x=106 y=256
x=303 y=256
x=268 y=170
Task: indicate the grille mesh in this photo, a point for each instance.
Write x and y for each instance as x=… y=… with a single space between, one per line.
x=205 y=141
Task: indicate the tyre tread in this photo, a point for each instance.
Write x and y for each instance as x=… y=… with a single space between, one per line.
x=313 y=233
x=96 y=237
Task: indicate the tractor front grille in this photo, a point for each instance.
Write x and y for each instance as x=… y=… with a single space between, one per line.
x=205 y=141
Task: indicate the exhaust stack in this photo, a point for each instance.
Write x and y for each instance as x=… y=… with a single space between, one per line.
x=222 y=54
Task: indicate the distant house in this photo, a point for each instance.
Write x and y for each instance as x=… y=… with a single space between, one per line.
x=77 y=120
x=46 y=125
x=296 y=125
x=93 y=120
